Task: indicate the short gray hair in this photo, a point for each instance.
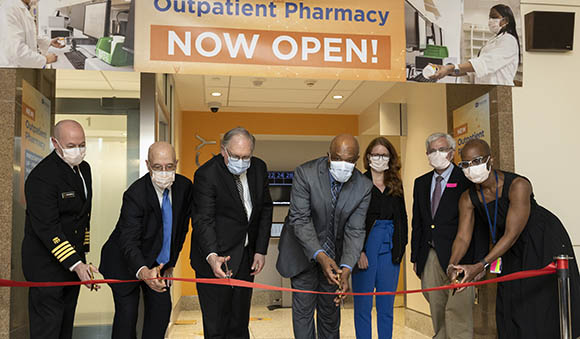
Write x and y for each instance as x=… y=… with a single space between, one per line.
x=435 y=136
x=238 y=131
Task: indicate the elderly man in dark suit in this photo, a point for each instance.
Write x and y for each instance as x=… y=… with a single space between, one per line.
x=325 y=226
x=435 y=219
x=146 y=243
x=231 y=231
x=56 y=234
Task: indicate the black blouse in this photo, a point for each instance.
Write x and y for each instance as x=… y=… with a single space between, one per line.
x=384 y=206
x=380 y=207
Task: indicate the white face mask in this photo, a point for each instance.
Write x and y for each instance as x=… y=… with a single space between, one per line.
x=72 y=156
x=163 y=179
x=379 y=165
x=494 y=25
x=237 y=167
x=477 y=174
x=341 y=171
x=438 y=160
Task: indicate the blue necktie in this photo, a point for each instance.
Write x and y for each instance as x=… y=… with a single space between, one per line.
x=167 y=216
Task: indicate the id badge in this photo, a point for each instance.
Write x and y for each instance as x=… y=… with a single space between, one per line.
x=495 y=266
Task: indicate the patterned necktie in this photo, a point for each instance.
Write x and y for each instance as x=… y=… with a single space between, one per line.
x=167 y=217
x=241 y=192
x=329 y=245
x=436 y=197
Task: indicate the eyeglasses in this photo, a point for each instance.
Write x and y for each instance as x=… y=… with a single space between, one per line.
x=377 y=157
x=159 y=168
x=236 y=157
x=440 y=149
x=474 y=162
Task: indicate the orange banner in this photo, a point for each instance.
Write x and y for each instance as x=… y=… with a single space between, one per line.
x=335 y=39
x=222 y=45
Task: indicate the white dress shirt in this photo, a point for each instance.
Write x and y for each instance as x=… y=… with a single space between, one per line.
x=498 y=60
x=446 y=175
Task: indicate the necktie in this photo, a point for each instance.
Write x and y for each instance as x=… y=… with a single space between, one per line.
x=241 y=192
x=167 y=217
x=77 y=171
x=436 y=198
x=329 y=245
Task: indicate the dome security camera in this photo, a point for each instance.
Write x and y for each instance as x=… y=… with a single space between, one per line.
x=214 y=106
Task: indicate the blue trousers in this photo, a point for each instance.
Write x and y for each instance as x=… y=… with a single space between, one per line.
x=381 y=275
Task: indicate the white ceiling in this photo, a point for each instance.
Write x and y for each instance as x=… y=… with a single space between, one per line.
x=238 y=94
x=97 y=84
x=277 y=95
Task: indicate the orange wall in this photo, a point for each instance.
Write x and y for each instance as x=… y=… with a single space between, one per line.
x=211 y=125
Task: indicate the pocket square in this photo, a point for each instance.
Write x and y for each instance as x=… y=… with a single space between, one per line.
x=451 y=185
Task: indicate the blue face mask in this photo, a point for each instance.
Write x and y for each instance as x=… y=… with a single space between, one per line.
x=238 y=166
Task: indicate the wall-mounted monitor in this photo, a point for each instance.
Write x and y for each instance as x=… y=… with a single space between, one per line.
x=280 y=184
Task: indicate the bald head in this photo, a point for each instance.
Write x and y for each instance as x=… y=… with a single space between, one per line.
x=68 y=134
x=344 y=147
x=475 y=148
x=161 y=152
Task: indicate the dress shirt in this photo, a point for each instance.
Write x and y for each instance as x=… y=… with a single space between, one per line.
x=446 y=174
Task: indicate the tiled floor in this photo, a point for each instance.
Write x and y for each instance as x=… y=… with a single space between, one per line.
x=278 y=324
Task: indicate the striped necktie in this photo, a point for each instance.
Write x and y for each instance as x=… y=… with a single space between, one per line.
x=240 y=188
x=329 y=245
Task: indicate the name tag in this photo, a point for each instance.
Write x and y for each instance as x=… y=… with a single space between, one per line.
x=68 y=195
x=451 y=185
x=496 y=266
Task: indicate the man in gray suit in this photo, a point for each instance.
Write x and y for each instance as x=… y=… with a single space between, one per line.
x=325 y=225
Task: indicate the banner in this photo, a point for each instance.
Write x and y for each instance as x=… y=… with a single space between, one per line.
x=316 y=39
x=471 y=121
x=35 y=127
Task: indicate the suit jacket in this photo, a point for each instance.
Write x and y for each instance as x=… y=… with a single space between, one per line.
x=305 y=227
x=220 y=223
x=57 y=226
x=441 y=229
x=138 y=236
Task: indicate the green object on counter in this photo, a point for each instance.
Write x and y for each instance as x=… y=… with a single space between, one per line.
x=434 y=51
x=118 y=57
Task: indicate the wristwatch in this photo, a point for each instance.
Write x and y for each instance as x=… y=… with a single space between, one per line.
x=456 y=70
x=484 y=263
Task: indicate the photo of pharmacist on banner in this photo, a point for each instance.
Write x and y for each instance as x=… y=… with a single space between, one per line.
x=83 y=34
x=432 y=34
x=491 y=52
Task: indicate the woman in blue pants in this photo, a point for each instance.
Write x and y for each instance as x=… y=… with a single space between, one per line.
x=386 y=238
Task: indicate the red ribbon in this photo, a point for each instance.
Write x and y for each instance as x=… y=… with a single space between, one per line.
x=550 y=269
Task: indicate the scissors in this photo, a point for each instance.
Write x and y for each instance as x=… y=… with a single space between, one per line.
x=228 y=272
x=340 y=291
x=457 y=281
x=93 y=286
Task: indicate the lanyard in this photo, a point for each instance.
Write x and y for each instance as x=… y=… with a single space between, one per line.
x=492 y=228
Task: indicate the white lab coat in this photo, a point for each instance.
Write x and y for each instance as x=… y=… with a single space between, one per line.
x=21 y=46
x=498 y=61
